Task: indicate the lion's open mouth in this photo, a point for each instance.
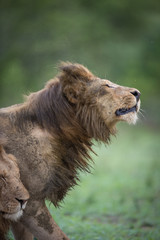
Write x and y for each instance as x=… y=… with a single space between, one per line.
x=123 y=111
x=4 y=213
x=12 y=216
x=1 y=212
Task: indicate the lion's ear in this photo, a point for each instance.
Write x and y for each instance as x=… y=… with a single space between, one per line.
x=74 y=78
x=71 y=93
x=76 y=71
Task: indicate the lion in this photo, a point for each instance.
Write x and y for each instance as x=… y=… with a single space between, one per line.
x=51 y=135
x=13 y=194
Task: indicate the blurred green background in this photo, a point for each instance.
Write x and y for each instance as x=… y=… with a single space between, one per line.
x=117 y=40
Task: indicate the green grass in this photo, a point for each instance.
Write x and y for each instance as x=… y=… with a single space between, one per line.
x=120 y=200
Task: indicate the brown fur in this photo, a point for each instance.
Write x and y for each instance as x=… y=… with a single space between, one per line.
x=11 y=189
x=51 y=135
x=4 y=227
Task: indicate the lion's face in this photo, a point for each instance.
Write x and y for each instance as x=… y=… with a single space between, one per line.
x=117 y=103
x=13 y=195
x=112 y=102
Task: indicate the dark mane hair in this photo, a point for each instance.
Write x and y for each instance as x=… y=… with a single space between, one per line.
x=51 y=110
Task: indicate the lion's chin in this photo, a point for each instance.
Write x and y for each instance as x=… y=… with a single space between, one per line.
x=129 y=115
x=13 y=216
x=130 y=118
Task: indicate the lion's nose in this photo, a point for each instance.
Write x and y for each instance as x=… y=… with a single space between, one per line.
x=22 y=201
x=137 y=94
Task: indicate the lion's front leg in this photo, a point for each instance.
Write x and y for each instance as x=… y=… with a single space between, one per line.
x=20 y=232
x=41 y=224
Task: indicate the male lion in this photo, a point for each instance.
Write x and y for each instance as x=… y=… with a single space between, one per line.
x=51 y=135
x=13 y=195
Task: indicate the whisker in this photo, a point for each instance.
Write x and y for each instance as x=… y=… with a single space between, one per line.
x=143 y=116
x=142 y=110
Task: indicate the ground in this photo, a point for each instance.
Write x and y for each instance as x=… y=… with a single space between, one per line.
x=120 y=200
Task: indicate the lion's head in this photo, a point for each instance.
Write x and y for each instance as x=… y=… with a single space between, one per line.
x=13 y=194
x=111 y=102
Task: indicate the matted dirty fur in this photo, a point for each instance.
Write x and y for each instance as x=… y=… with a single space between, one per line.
x=13 y=195
x=51 y=134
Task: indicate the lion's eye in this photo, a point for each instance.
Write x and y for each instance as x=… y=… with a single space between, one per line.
x=109 y=86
